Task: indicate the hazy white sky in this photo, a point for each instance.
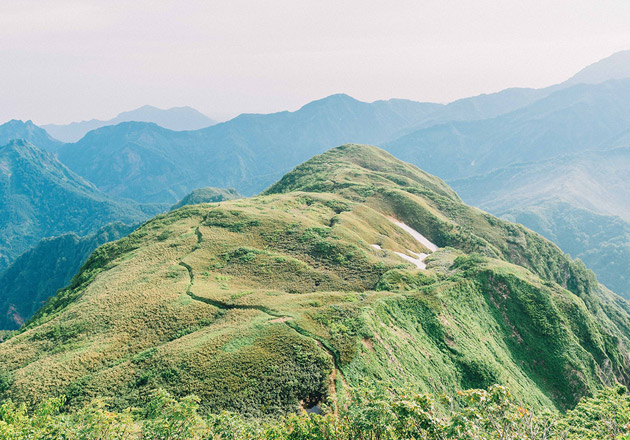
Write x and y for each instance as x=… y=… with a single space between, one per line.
x=66 y=60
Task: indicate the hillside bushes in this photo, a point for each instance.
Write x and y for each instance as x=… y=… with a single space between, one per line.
x=376 y=414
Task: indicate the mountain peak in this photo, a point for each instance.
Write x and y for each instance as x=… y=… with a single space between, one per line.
x=329 y=247
x=616 y=66
x=175 y=118
x=336 y=99
x=367 y=166
x=17 y=129
x=18 y=123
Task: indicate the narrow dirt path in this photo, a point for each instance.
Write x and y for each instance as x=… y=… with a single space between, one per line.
x=279 y=317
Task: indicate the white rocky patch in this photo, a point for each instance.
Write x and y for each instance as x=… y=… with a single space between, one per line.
x=416 y=259
x=415 y=234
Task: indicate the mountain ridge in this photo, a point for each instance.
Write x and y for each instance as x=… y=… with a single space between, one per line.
x=259 y=304
x=174 y=118
x=42 y=197
x=615 y=66
x=16 y=129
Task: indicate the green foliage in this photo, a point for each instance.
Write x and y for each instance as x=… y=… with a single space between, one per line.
x=402 y=280
x=40 y=272
x=606 y=415
x=5 y=381
x=169 y=419
x=100 y=260
x=207 y=195
x=375 y=413
x=549 y=198
x=467 y=262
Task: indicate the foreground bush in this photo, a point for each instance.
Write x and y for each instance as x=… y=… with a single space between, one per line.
x=374 y=415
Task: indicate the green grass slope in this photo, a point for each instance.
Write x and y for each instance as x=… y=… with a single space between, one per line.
x=602 y=242
x=266 y=304
x=207 y=195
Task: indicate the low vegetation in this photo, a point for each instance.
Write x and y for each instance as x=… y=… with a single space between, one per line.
x=207 y=195
x=382 y=414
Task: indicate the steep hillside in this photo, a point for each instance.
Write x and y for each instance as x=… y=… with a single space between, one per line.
x=30 y=132
x=176 y=118
x=602 y=242
x=49 y=266
x=207 y=195
x=581 y=202
x=40 y=198
x=283 y=300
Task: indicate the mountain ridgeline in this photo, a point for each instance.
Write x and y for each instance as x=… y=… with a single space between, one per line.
x=207 y=195
x=287 y=299
x=482 y=145
x=148 y=163
x=30 y=132
x=468 y=138
x=176 y=118
x=40 y=197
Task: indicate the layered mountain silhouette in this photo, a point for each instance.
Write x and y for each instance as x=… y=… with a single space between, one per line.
x=515 y=139
x=616 y=66
x=258 y=305
x=30 y=132
x=40 y=197
x=176 y=118
x=148 y=163
x=579 y=118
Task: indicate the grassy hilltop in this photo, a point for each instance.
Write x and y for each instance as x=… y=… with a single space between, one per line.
x=266 y=304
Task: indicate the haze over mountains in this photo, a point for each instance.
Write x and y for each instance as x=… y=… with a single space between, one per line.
x=28 y=131
x=40 y=197
x=546 y=158
x=616 y=66
x=148 y=163
x=578 y=118
x=278 y=275
x=579 y=201
x=267 y=304
x=176 y=118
